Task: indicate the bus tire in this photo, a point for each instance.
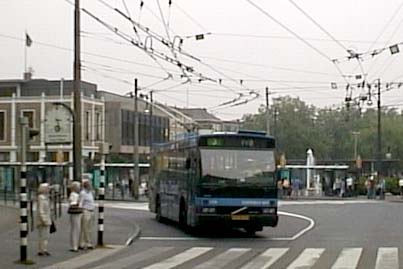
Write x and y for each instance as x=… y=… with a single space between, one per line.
x=182 y=214
x=250 y=231
x=158 y=216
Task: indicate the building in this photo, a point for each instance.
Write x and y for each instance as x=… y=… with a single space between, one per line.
x=154 y=126
x=207 y=122
x=36 y=99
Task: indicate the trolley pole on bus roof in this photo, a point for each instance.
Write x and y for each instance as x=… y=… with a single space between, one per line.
x=267 y=112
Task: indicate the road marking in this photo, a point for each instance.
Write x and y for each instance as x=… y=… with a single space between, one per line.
x=266 y=259
x=292 y=238
x=307 y=258
x=180 y=258
x=223 y=259
x=132 y=259
x=86 y=259
x=387 y=258
x=348 y=258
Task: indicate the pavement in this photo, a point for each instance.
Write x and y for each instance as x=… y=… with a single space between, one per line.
x=119 y=230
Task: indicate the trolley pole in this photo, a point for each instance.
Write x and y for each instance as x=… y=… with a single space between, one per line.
x=267 y=112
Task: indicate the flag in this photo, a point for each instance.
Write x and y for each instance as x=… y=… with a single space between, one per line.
x=28 y=40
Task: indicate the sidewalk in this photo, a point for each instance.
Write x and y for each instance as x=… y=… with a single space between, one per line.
x=116 y=234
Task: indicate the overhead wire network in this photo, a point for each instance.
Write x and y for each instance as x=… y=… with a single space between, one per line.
x=169 y=45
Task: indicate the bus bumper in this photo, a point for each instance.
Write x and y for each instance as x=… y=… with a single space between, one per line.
x=239 y=221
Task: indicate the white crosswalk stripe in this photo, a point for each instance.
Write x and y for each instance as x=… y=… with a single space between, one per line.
x=348 y=259
x=387 y=258
x=307 y=258
x=223 y=259
x=266 y=259
x=160 y=257
x=180 y=258
x=137 y=257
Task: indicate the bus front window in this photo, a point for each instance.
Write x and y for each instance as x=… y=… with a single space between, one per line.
x=233 y=167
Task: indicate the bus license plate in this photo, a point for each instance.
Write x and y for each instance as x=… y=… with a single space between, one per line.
x=240 y=217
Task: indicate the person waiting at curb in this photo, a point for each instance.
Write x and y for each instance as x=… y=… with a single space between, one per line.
x=75 y=211
x=87 y=218
x=44 y=220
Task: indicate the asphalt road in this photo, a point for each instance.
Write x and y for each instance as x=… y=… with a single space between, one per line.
x=354 y=235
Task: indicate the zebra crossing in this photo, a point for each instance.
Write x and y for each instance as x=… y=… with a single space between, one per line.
x=209 y=257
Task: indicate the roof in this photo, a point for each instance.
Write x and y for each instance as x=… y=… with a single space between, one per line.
x=199 y=114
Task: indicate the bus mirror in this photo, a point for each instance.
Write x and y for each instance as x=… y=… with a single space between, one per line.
x=187 y=163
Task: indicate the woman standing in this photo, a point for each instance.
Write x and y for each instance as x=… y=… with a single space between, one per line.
x=75 y=212
x=87 y=220
x=44 y=221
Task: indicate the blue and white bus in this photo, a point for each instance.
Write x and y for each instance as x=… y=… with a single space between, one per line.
x=216 y=179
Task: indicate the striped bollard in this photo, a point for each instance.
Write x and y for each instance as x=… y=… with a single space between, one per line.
x=23 y=192
x=101 y=198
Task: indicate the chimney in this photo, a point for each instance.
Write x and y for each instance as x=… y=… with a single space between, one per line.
x=27 y=75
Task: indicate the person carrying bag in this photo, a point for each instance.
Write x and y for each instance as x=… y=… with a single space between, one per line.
x=75 y=211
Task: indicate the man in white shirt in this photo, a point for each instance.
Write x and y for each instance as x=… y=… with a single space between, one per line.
x=87 y=220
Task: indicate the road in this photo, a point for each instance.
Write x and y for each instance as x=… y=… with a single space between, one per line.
x=353 y=234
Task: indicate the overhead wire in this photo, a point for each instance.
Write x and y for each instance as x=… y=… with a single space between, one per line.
x=318 y=25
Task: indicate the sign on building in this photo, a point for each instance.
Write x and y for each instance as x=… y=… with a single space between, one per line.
x=58 y=125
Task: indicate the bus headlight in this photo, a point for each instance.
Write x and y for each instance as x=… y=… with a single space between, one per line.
x=208 y=210
x=269 y=210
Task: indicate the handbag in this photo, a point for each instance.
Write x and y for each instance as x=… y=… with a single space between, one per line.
x=52 y=228
x=74 y=209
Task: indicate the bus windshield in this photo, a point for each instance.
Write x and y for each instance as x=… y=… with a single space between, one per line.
x=237 y=167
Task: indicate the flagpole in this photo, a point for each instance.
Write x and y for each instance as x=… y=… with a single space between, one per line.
x=25 y=53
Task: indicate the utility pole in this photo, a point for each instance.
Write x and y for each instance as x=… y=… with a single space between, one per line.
x=77 y=150
x=151 y=124
x=379 y=136
x=267 y=112
x=136 y=171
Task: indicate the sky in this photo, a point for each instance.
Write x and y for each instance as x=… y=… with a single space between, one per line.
x=295 y=48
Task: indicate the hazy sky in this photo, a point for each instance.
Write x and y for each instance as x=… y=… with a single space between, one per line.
x=244 y=44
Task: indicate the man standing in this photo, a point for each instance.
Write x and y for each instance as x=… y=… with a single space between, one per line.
x=87 y=220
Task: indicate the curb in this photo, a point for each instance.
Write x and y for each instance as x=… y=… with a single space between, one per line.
x=136 y=234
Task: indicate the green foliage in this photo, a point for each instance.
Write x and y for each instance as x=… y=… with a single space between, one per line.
x=299 y=126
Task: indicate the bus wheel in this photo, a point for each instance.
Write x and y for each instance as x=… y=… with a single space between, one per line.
x=158 y=216
x=250 y=231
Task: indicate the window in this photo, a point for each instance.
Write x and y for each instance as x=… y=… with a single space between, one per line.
x=87 y=125
x=98 y=117
x=2 y=125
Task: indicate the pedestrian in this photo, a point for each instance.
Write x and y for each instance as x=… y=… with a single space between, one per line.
x=87 y=218
x=279 y=189
x=401 y=186
x=44 y=220
x=295 y=188
x=342 y=188
x=286 y=186
x=75 y=212
x=382 y=186
x=349 y=183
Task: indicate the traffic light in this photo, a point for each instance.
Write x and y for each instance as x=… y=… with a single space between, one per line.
x=32 y=133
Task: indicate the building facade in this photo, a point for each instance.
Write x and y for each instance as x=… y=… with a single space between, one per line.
x=36 y=99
